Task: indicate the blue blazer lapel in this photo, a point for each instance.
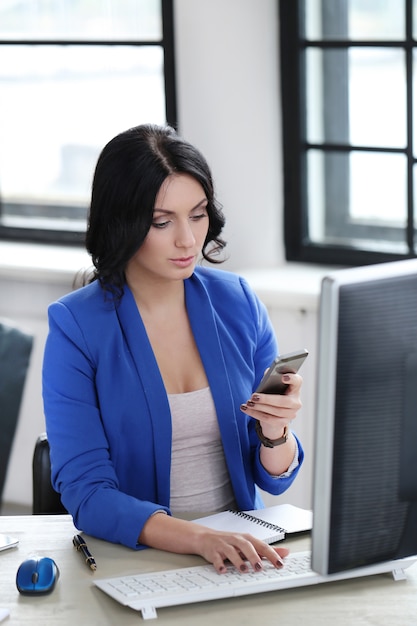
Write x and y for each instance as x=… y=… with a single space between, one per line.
x=155 y=400
x=209 y=342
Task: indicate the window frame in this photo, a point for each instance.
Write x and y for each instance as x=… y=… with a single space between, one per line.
x=298 y=246
x=69 y=237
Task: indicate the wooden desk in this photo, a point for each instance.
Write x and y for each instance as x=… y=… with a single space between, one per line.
x=75 y=601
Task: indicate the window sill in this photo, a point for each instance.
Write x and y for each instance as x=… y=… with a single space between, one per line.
x=292 y=285
x=41 y=263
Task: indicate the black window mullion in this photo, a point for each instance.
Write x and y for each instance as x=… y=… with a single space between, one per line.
x=293 y=129
x=169 y=64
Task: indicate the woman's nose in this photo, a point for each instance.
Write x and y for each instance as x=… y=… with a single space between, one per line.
x=185 y=236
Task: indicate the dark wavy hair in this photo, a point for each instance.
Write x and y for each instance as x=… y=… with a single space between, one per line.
x=129 y=173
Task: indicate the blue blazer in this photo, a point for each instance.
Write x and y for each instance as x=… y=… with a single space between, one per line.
x=107 y=413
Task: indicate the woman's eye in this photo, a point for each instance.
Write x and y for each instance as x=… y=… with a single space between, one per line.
x=193 y=218
x=160 y=224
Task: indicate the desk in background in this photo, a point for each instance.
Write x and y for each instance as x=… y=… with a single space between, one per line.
x=75 y=600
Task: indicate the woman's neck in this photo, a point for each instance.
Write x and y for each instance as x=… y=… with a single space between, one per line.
x=153 y=297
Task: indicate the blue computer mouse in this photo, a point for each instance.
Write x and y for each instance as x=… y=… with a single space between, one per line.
x=37 y=575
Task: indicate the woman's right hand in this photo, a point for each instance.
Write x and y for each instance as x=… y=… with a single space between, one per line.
x=242 y=550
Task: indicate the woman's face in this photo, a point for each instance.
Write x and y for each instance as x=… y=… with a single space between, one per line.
x=176 y=237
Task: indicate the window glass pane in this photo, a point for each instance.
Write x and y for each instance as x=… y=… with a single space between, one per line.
x=60 y=105
x=377 y=97
x=356 y=96
x=355 y=19
x=414 y=19
x=378 y=188
x=354 y=198
x=81 y=20
x=415 y=204
x=316 y=196
x=414 y=111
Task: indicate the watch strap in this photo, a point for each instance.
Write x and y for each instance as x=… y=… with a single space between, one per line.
x=270 y=443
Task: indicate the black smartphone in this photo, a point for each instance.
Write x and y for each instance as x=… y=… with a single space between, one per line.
x=285 y=364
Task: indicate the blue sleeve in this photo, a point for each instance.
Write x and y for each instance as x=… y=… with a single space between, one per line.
x=265 y=350
x=82 y=470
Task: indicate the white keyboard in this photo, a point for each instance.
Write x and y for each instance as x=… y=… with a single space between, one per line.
x=146 y=592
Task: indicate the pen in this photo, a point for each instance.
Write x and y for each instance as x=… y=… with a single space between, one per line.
x=82 y=547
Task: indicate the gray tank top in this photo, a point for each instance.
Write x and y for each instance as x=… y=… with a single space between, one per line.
x=200 y=481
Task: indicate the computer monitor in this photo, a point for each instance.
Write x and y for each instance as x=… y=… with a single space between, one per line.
x=365 y=465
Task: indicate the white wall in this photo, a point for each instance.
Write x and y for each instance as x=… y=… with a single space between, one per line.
x=227 y=65
x=228 y=96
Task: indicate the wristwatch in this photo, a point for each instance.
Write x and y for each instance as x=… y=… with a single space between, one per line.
x=270 y=443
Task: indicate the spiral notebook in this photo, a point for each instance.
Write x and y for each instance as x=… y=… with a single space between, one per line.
x=271 y=524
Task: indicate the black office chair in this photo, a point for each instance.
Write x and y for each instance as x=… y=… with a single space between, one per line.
x=15 y=350
x=46 y=501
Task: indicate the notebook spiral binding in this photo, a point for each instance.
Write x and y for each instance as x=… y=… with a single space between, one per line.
x=260 y=522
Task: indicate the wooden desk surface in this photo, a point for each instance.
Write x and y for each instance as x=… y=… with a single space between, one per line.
x=369 y=601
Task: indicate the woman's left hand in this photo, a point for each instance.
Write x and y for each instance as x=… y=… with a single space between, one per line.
x=275 y=411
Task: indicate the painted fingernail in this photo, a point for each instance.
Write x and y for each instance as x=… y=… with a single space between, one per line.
x=255 y=397
x=250 y=403
x=286 y=378
x=258 y=566
x=243 y=568
x=243 y=407
x=279 y=563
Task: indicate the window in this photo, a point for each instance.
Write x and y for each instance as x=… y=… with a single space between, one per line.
x=349 y=83
x=73 y=73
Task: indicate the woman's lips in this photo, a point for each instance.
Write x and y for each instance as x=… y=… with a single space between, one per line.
x=183 y=261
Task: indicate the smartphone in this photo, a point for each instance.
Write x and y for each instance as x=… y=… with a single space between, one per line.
x=285 y=364
x=8 y=542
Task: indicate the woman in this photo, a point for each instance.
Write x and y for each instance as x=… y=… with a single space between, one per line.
x=149 y=369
